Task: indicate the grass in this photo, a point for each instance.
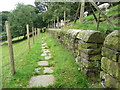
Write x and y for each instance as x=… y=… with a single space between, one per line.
x=92 y=25
x=25 y=62
x=66 y=70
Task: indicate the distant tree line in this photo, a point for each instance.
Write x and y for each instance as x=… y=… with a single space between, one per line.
x=38 y=16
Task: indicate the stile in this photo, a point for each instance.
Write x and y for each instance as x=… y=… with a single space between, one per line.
x=10 y=47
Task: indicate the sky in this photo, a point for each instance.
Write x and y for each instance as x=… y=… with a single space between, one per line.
x=8 y=5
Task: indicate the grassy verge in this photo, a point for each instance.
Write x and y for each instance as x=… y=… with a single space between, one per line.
x=90 y=24
x=66 y=70
x=25 y=62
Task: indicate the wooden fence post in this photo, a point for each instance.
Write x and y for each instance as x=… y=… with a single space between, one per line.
x=38 y=31
x=28 y=35
x=64 y=18
x=82 y=11
x=57 y=22
x=33 y=34
x=10 y=47
x=54 y=23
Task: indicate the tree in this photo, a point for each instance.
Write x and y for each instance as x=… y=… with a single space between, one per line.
x=19 y=17
x=51 y=10
x=40 y=22
x=4 y=16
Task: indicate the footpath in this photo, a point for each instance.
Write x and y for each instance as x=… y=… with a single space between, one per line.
x=47 y=78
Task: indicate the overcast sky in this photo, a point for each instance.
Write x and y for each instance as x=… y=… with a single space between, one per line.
x=8 y=5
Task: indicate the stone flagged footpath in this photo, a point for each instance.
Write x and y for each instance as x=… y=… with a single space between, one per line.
x=43 y=80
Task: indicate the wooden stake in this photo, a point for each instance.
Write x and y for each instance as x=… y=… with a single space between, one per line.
x=58 y=22
x=10 y=47
x=54 y=23
x=82 y=11
x=33 y=34
x=38 y=31
x=28 y=36
x=64 y=18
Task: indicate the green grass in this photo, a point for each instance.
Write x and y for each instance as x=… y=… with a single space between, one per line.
x=92 y=25
x=66 y=70
x=25 y=62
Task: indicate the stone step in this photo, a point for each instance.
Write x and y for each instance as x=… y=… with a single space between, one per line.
x=41 y=81
x=48 y=70
x=46 y=50
x=43 y=63
x=47 y=57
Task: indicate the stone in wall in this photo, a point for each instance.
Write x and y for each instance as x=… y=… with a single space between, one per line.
x=110 y=67
x=90 y=56
x=90 y=36
x=87 y=45
x=111 y=54
x=108 y=81
x=112 y=41
x=110 y=62
x=90 y=51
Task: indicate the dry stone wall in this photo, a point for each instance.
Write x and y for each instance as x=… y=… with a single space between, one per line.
x=85 y=46
x=98 y=56
x=110 y=62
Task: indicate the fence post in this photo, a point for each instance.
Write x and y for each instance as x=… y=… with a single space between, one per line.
x=33 y=34
x=38 y=31
x=64 y=18
x=10 y=47
x=54 y=23
x=82 y=11
x=28 y=35
x=58 y=22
